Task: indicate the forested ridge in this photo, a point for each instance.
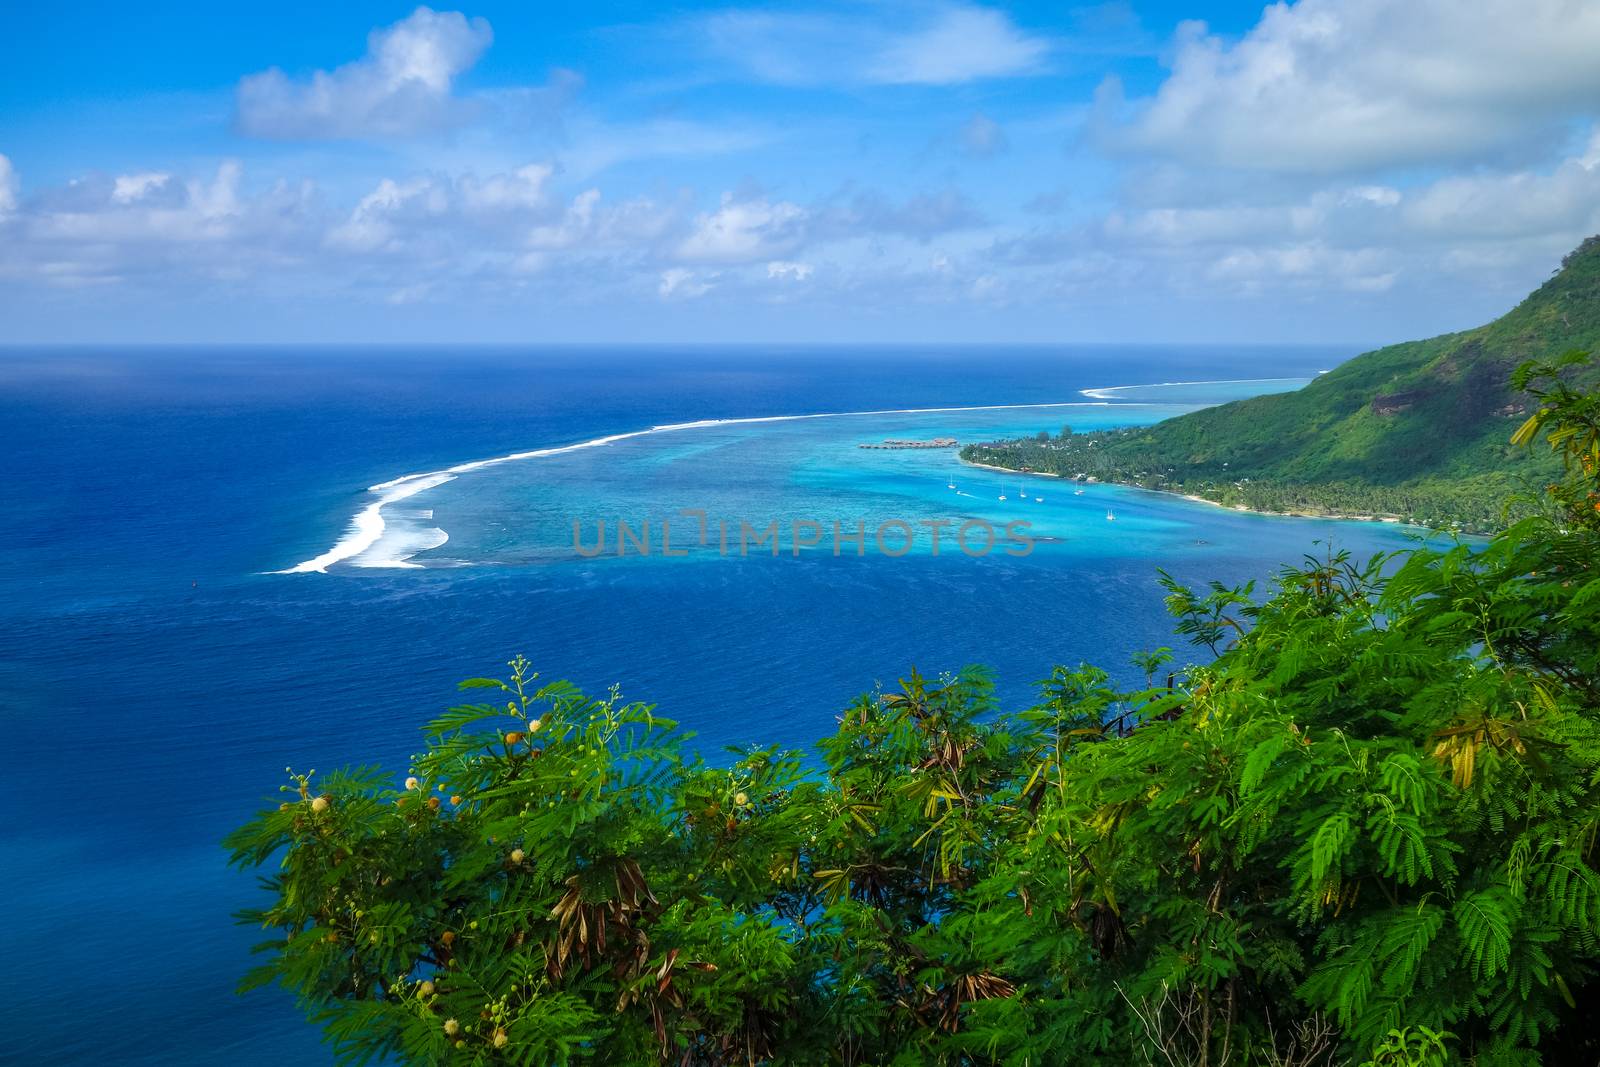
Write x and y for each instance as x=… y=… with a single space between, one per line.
x=1417 y=431
x=1358 y=828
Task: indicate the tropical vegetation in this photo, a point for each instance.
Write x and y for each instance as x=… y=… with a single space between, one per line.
x=1415 y=431
x=1361 y=829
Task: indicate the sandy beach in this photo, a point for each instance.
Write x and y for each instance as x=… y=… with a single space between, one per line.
x=1199 y=499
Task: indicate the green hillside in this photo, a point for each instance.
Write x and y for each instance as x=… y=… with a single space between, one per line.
x=1416 y=430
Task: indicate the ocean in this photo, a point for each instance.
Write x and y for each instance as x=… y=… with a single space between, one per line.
x=200 y=586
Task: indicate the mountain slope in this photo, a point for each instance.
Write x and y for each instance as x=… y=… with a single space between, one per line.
x=1417 y=430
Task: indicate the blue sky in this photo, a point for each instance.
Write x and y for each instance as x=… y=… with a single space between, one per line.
x=1329 y=170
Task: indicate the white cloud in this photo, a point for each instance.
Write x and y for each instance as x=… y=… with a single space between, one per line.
x=589 y=223
x=785 y=270
x=193 y=211
x=399 y=212
x=373 y=223
x=576 y=224
x=951 y=44
x=10 y=187
x=1521 y=205
x=401 y=87
x=743 y=231
x=131 y=187
x=98 y=230
x=522 y=190
x=679 y=282
x=962 y=44
x=1311 y=264
x=1350 y=85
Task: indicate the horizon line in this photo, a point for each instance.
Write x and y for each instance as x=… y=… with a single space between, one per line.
x=10 y=345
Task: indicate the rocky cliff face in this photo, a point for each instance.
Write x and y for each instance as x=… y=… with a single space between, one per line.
x=1395 y=403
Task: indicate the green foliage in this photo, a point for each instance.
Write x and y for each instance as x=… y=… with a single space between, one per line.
x=1416 y=431
x=1411 y=1047
x=1364 y=832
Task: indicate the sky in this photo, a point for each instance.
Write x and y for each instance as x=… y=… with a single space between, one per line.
x=1320 y=171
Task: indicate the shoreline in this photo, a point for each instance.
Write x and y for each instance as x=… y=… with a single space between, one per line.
x=1393 y=520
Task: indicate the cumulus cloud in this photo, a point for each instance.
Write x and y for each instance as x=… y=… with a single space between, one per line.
x=375 y=222
x=1326 y=86
x=951 y=44
x=784 y=270
x=588 y=222
x=398 y=212
x=1520 y=205
x=100 y=230
x=401 y=87
x=130 y=187
x=684 y=284
x=744 y=230
x=10 y=188
x=522 y=190
x=961 y=44
x=141 y=208
x=1252 y=269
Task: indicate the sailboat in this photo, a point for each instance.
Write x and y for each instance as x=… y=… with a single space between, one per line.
x=1002 y=490
x=952 y=484
x=1110 y=517
x=1077 y=492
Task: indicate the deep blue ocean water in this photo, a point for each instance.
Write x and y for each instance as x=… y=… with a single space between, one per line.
x=156 y=676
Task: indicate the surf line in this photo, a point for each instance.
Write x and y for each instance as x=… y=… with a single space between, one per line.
x=367 y=527
x=1105 y=392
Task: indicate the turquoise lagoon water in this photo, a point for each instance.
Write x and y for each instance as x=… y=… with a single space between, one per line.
x=720 y=484
x=159 y=671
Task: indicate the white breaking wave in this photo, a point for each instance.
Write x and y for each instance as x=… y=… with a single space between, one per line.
x=1108 y=392
x=404 y=546
x=366 y=529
